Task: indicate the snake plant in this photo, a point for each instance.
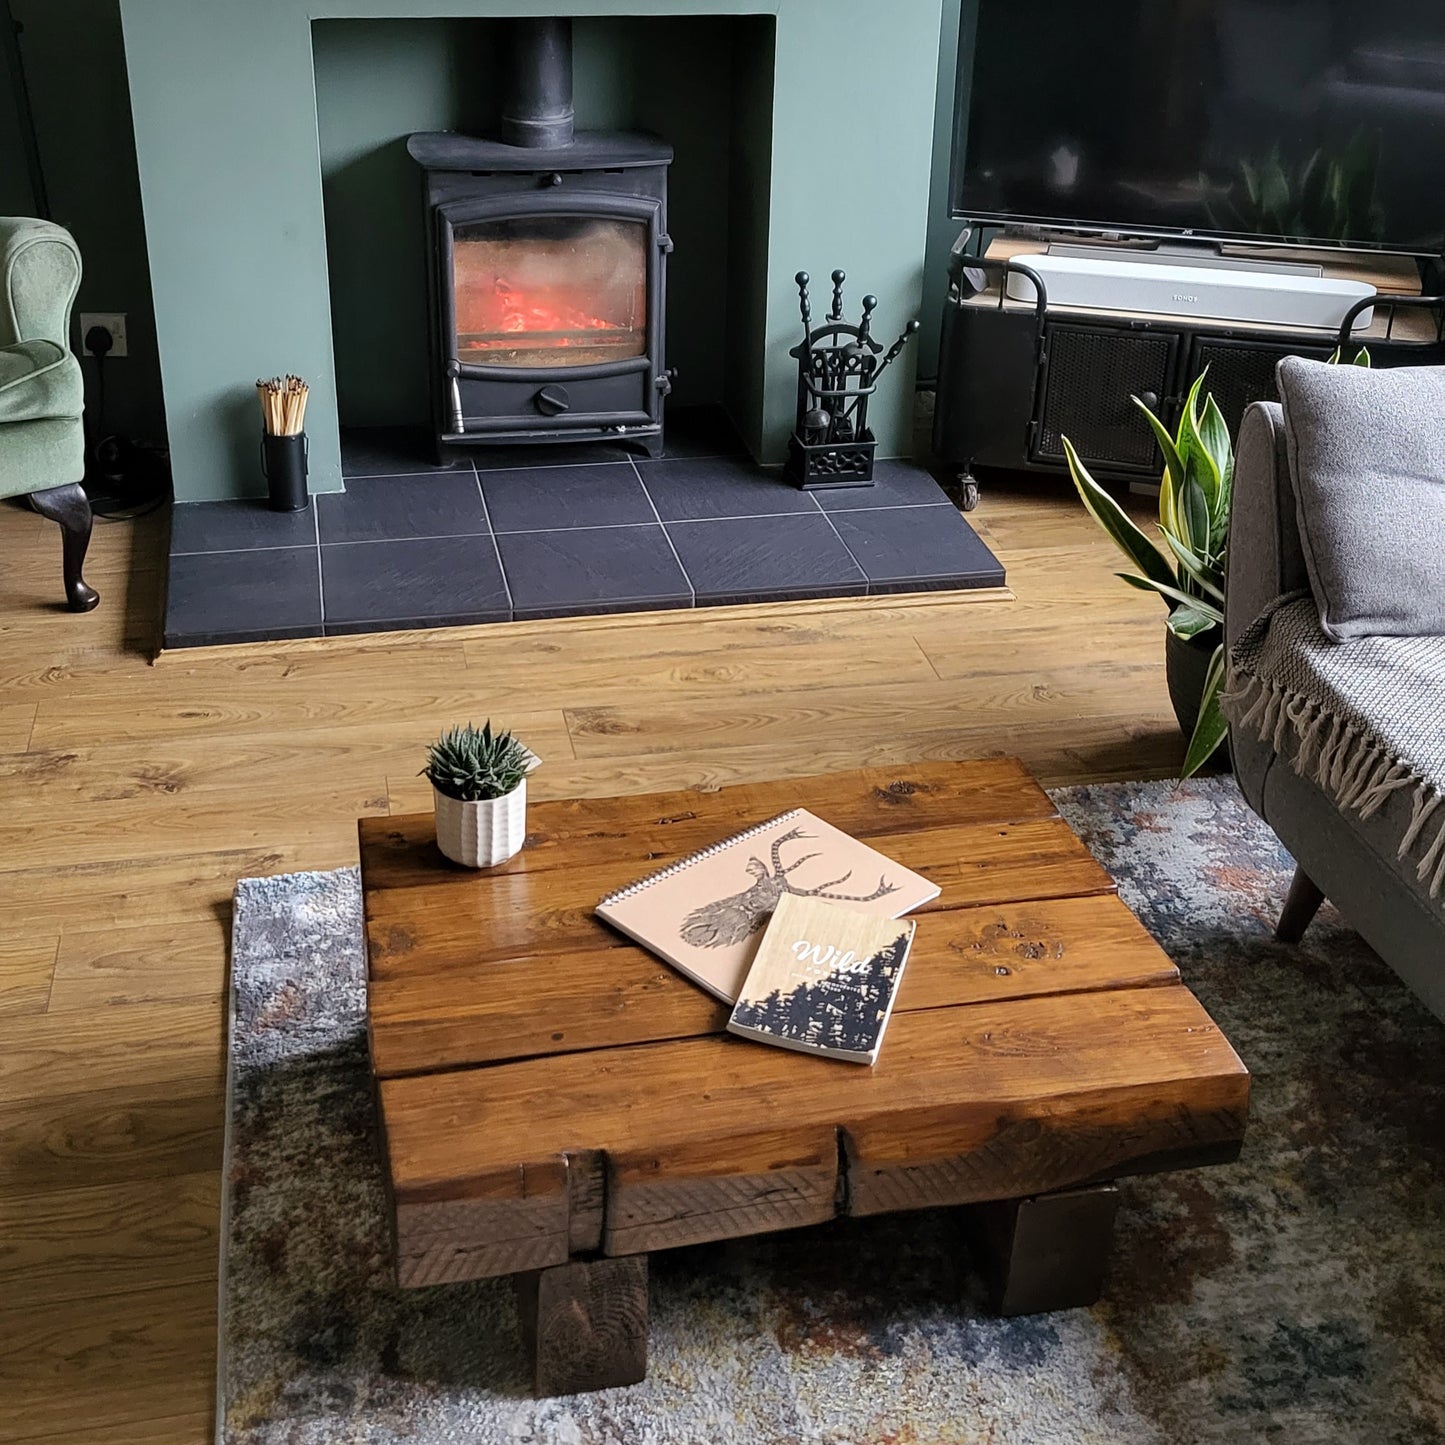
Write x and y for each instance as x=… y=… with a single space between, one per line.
x=1194 y=497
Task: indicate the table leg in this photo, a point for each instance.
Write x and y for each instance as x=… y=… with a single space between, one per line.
x=1046 y=1252
x=585 y=1324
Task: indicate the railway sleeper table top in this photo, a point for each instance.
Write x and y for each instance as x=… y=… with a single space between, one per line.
x=556 y=1102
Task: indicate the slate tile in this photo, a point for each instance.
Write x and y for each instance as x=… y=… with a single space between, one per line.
x=592 y=569
x=374 y=509
x=766 y=559
x=251 y=596
x=906 y=549
x=895 y=484
x=696 y=490
x=238 y=525
x=432 y=582
x=541 y=499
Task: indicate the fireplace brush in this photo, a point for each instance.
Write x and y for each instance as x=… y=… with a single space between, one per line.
x=283 y=442
x=283 y=405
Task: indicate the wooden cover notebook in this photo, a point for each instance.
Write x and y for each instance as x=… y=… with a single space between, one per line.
x=706 y=913
x=824 y=980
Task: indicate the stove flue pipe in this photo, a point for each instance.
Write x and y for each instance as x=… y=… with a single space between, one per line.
x=537 y=98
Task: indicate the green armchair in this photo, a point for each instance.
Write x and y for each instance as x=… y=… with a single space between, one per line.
x=42 y=393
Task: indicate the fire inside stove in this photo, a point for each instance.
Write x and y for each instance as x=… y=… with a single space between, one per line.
x=550 y=292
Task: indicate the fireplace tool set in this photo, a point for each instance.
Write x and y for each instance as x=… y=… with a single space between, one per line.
x=838 y=371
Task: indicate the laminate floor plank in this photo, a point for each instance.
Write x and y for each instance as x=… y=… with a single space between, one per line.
x=110 y=1135
x=134 y=1045
x=145 y=963
x=27 y=971
x=115 y=1361
x=74 y=1244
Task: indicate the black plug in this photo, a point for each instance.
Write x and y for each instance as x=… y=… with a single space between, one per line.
x=99 y=341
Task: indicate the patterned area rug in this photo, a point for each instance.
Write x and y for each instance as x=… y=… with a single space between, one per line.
x=1298 y=1296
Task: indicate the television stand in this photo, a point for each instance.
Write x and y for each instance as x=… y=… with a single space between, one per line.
x=1019 y=372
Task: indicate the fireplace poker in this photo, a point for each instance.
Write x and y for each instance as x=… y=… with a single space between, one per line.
x=865 y=329
x=896 y=350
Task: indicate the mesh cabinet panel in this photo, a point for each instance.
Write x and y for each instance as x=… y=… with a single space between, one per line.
x=1091 y=376
x=1241 y=372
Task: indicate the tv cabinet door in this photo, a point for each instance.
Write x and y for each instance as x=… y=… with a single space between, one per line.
x=1242 y=371
x=1090 y=374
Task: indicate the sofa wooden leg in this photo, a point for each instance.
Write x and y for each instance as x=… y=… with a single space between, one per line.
x=71 y=508
x=1299 y=908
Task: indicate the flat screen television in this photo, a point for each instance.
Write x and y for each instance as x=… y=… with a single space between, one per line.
x=1317 y=122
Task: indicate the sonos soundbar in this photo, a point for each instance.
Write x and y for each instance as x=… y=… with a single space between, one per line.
x=1215 y=293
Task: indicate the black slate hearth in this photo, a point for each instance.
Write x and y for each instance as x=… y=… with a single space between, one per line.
x=561 y=531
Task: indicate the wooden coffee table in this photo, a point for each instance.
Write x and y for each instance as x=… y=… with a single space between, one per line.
x=557 y=1102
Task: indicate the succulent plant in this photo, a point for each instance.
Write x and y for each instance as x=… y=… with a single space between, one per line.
x=475 y=764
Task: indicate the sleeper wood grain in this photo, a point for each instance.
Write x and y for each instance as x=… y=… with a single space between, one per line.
x=603 y=997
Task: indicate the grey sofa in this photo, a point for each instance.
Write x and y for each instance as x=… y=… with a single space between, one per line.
x=1340 y=856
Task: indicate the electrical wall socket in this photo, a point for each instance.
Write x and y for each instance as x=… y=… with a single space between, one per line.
x=113 y=322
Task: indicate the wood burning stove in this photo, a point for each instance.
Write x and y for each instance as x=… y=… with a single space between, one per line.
x=549 y=267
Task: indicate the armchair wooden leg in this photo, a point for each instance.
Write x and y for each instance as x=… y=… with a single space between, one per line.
x=1300 y=908
x=71 y=508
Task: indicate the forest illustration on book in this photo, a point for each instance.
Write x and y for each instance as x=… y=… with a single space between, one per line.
x=824 y=980
x=725 y=922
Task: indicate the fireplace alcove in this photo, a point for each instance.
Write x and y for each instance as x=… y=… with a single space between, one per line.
x=427 y=143
x=548 y=254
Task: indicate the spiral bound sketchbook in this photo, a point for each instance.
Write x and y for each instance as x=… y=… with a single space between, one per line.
x=706 y=913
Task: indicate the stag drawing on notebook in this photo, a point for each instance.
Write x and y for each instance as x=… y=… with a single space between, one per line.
x=728 y=921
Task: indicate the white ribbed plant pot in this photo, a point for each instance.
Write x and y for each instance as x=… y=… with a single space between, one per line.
x=481 y=835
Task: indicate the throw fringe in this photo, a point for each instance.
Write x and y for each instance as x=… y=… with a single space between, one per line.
x=1356 y=769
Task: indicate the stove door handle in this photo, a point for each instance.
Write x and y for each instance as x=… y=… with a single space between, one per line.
x=454 y=389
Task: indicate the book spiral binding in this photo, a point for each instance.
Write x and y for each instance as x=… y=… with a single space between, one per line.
x=682 y=863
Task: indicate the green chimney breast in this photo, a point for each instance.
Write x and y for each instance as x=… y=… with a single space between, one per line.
x=809 y=125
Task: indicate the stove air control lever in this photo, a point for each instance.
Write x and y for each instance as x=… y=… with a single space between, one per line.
x=552 y=400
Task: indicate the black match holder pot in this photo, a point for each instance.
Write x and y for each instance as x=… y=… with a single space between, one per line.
x=283 y=461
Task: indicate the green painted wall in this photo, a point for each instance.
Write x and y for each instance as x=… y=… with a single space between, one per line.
x=377 y=81
x=17 y=198
x=942 y=232
x=237 y=227
x=74 y=63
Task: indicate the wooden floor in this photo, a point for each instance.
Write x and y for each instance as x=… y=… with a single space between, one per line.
x=133 y=794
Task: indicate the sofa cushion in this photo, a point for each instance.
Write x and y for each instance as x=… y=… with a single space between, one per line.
x=39 y=380
x=1367 y=458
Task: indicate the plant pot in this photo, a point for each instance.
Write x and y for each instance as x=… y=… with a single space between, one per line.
x=481 y=835
x=1186 y=662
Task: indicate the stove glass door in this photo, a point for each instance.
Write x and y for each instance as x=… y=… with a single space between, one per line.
x=550 y=291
